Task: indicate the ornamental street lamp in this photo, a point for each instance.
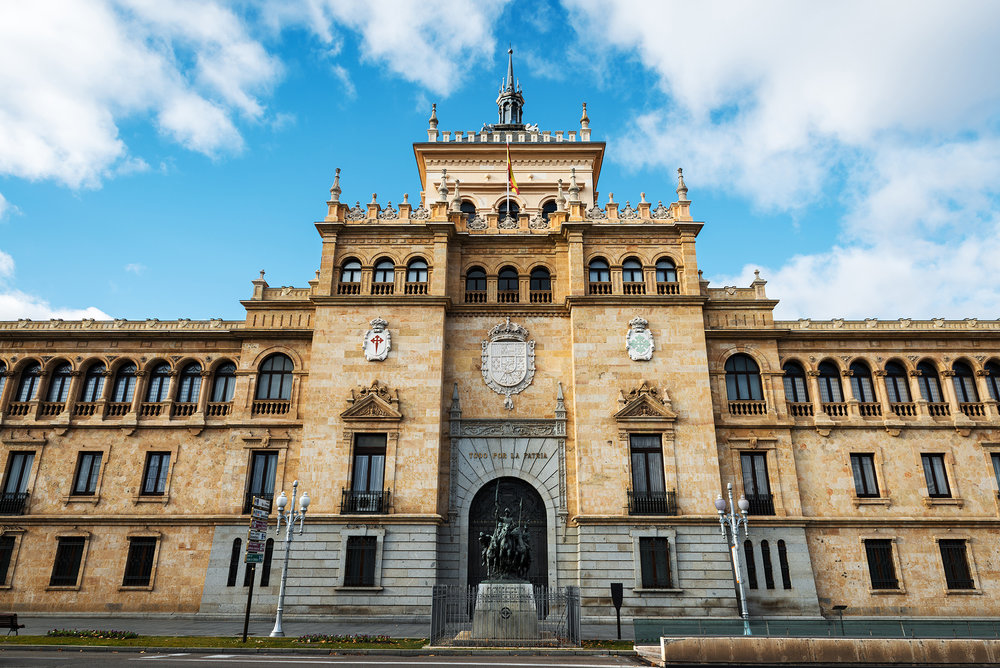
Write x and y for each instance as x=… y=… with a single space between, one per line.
x=730 y=528
x=290 y=517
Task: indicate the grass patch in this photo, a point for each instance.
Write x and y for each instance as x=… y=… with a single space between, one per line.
x=608 y=644
x=212 y=642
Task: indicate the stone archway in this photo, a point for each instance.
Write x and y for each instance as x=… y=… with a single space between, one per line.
x=519 y=496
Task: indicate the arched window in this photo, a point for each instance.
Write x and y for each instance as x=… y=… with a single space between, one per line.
x=385 y=271
x=475 y=285
x=795 y=383
x=765 y=556
x=28 y=386
x=632 y=280
x=224 y=383
x=548 y=209
x=416 y=271
x=743 y=379
x=513 y=211
x=786 y=577
x=124 y=384
x=507 y=286
x=666 y=271
x=274 y=380
x=599 y=276
x=830 y=391
x=265 y=570
x=234 y=562
x=468 y=209
x=59 y=386
x=93 y=383
x=540 y=285
x=3 y=377
x=190 y=384
x=861 y=383
x=929 y=383
x=751 y=564
x=159 y=383
x=895 y=383
x=992 y=380
x=965 y=383
x=350 y=277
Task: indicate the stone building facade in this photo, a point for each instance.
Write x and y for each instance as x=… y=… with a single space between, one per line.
x=532 y=349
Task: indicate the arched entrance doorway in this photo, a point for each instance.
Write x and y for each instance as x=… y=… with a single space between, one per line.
x=521 y=498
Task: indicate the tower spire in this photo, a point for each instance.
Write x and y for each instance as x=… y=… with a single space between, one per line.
x=510 y=102
x=510 y=69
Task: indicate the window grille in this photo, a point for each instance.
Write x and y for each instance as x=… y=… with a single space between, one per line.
x=139 y=563
x=359 y=567
x=66 y=569
x=654 y=561
x=881 y=568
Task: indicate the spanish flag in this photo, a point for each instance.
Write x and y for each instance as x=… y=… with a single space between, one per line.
x=512 y=184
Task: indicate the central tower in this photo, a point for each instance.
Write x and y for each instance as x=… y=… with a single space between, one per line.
x=510 y=102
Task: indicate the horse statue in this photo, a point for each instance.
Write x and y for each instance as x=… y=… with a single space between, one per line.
x=506 y=553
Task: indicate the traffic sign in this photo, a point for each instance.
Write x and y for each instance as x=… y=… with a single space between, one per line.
x=254 y=558
x=257 y=535
x=261 y=502
x=257 y=512
x=258 y=524
x=255 y=546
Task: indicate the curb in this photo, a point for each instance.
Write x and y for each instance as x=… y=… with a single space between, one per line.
x=425 y=651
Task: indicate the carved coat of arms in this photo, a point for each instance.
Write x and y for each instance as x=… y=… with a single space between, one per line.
x=377 y=341
x=508 y=360
x=639 y=340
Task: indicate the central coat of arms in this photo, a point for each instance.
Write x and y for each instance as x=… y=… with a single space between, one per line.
x=508 y=360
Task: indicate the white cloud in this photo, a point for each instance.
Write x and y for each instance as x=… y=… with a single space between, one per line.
x=429 y=44
x=888 y=107
x=72 y=72
x=6 y=265
x=6 y=209
x=135 y=268
x=15 y=304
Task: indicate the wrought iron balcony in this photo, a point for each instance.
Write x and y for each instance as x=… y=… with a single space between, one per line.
x=354 y=501
x=248 y=500
x=13 y=503
x=652 y=503
x=761 y=504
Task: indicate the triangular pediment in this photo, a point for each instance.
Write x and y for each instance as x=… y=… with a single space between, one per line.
x=371 y=407
x=645 y=403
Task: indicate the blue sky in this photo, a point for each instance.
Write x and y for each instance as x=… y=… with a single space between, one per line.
x=154 y=156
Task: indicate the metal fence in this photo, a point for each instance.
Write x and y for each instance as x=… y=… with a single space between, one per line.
x=649 y=631
x=482 y=616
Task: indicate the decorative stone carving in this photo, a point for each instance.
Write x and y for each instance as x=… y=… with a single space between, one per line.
x=373 y=402
x=507 y=223
x=639 y=340
x=356 y=213
x=377 y=341
x=660 y=212
x=596 y=213
x=645 y=403
x=476 y=222
x=388 y=213
x=538 y=223
x=628 y=213
x=420 y=213
x=508 y=360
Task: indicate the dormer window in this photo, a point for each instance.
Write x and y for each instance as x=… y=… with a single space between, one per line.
x=548 y=209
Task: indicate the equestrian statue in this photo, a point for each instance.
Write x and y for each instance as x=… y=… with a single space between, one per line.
x=506 y=553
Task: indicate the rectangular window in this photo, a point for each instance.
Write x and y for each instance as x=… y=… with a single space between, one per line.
x=18 y=468
x=263 y=468
x=139 y=564
x=359 y=569
x=654 y=559
x=756 y=485
x=956 y=564
x=865 y=481
x=647 y=463
x=87 y=468
x=881 y=568
x=6 y=554
x=154 y=478
x=936 y=476
x=69 y=554
x=369 y=462
x=995 y=458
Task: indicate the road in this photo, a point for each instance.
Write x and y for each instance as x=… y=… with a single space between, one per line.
x=88 y=659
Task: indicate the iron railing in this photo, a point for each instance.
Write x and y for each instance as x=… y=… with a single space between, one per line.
x=353 y=501
x=761 y=504
x=466 y=616
x=652 y=503
x=13 y=503
x=248 y=500
x=648 y=631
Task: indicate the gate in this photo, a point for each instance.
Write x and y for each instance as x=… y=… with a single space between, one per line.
x=453 y=612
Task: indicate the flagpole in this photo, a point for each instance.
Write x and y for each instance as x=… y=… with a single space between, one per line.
x=509 y=167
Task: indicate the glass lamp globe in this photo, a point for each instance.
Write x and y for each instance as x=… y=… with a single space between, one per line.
x=282 y=501
x=304 y=502
x=743 y=504
x=720 y=504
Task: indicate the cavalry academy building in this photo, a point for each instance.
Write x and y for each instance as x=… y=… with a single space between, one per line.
x=556 y=349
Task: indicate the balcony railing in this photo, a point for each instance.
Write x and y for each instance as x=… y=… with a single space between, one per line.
x=508 y=296
x=668 y=288
x=248 y=500
x=800 y=408
x=835 y=408
x=13 y=503
x=415 y=288
x=870 y=408
x=652 y=503
x=270 y=406
x=383 y=288
x=761 y=504
x=973 y=409
x=18 y=408
x=51 y=408
x=938 y=409
x=117 y=408
x=151 y=409
x=541 y=297
x=904 y=409
x=748 y=408
x=218 y=408
x=475 y=296
x=596 y=288
x=185 y=409
x=85 y=408
x=348 y=288
x=634 y=288
x=354 y=501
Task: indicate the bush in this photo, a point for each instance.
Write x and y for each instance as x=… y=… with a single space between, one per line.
x=356 y=639
x=92 y=633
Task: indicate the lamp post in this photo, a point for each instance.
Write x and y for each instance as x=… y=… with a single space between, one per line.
x=290 y=517
x=730 y=524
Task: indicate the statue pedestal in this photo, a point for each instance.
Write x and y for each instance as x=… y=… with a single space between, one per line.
x=505 y=611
